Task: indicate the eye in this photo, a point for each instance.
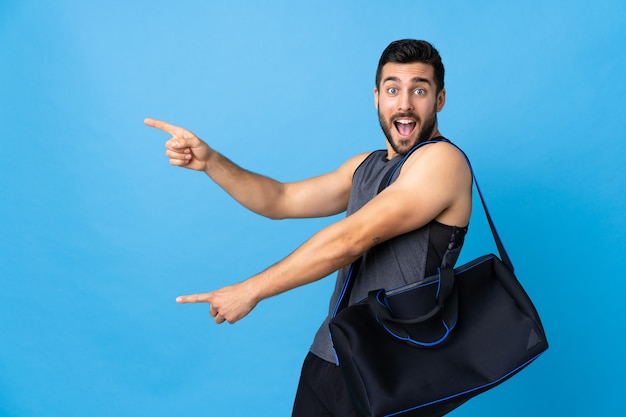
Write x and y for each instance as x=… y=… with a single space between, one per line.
x=419 y=92
x=392 y=90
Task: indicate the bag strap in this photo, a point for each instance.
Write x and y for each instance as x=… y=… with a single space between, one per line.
x=344 y=296
x=496 y=237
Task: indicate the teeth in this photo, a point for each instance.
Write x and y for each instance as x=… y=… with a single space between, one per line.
x=404 y=122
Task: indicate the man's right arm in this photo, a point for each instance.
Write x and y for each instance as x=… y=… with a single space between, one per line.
x=315 y=197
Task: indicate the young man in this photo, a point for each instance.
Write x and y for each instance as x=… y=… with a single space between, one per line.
x=404 y=233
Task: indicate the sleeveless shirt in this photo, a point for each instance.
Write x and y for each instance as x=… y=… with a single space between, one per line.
x=399 y=261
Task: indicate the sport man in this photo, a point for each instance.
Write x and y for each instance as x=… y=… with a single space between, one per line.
x=404 y=233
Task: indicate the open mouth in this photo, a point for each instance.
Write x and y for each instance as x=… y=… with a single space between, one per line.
x=404 y=126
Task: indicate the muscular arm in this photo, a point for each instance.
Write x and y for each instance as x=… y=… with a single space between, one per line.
x=319 y=196
x=435 y=183
x=316 y=197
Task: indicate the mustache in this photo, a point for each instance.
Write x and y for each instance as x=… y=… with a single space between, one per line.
x=405 y=115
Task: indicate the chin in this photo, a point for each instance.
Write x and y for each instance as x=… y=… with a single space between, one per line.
x=402 y=146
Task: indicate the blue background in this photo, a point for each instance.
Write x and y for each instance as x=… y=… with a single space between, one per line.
x=98 y=234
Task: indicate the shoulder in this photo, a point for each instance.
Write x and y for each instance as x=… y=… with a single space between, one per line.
x=351 y=165
x=441 y=157
x=438 y=150
x=437 y=165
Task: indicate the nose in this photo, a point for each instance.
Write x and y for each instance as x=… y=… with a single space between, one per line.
x=404 y=102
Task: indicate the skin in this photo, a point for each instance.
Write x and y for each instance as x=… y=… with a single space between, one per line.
x=434 y=183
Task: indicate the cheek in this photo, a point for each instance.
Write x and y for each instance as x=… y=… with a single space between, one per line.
x=427 y=107
x=386 y=106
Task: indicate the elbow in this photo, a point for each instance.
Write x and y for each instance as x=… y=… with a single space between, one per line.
x=274 y=216
x=352 y=247
x=273 y=209
x=269 y=213
x=357 y=249
x=276 y=207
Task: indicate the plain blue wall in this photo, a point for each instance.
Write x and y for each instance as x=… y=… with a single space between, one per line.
x=98 y=234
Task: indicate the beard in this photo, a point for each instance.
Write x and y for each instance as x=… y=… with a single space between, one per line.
x=402 y=146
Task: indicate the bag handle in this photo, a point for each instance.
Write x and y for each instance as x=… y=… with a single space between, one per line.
x=428 y=330
x=446 y=289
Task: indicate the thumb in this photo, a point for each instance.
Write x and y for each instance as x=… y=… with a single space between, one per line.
x=184 y=142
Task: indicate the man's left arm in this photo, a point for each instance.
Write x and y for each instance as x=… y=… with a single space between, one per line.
x=434 y=184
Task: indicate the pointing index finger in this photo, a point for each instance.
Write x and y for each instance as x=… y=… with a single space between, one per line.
x=194 y=298
x=161 y=125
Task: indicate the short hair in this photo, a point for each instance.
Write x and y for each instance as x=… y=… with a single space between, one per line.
x=408 y=51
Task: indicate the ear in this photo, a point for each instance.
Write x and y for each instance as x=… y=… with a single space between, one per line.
x=441 y=100
x=376 y=97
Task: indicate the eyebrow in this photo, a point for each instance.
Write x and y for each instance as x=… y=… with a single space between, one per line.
x=415 y=80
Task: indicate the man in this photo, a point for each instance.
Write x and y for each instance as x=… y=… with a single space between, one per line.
x=404 y=233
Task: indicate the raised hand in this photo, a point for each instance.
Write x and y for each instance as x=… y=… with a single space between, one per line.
x=184 y=148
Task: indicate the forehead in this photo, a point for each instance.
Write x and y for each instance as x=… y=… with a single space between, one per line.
x=394 y=71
